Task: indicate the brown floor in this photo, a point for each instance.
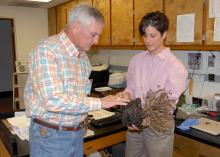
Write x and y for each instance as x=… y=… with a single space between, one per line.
x=6 y=104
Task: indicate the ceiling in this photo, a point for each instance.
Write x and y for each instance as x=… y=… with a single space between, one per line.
x=24 y=3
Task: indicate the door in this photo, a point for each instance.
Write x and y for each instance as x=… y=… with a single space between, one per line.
x=122 y=22
x=7 y=54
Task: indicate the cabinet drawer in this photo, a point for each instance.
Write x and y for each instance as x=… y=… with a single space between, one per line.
x=208 y=151
x=3 y=151
x=185 y=146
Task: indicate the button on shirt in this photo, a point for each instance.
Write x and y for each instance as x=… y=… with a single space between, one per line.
x=57 y=86
x=147 y=71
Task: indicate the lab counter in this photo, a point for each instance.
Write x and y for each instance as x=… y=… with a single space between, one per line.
x=114 y=134
x=108 y=136
x=198 y=135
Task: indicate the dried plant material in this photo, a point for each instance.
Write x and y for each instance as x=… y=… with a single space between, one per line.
x=157 y=111
x=132 y=113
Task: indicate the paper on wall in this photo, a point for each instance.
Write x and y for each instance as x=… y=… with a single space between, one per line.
x=217 y=29
x=214 y=8
x=185 y=28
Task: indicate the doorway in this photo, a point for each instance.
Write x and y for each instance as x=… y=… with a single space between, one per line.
x=7 y=59
x=7 y=54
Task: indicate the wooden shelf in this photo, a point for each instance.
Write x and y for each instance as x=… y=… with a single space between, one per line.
x=19 y=80
x=18 y=86
x=18 y=99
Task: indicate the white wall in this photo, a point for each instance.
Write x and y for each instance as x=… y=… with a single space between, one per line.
x=31 y=26
x=201 y=87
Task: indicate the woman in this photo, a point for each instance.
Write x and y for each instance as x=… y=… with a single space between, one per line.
x=149 y=70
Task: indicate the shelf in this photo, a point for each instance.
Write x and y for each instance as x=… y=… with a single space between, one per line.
x=19 y=73
x=18 y=86
x=19 y=80
x=18 y=99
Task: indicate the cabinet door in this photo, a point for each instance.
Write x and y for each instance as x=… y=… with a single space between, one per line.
x=208 y=151
x=52 y=29
x=69 y=6
x=104 y=7
x=85 y=1
x=185 y=147
x=122 y=22
x=173 y=8
x=61 y=17
x=209 y=27
x=3 y=150
x=142 y=7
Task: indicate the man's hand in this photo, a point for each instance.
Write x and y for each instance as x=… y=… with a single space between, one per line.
x=113 y=100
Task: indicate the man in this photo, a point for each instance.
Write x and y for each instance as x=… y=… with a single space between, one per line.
x=56 y=92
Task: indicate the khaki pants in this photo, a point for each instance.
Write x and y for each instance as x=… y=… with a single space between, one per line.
x=148 y=144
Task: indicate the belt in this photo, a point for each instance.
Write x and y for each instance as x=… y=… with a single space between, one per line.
x=57 y=127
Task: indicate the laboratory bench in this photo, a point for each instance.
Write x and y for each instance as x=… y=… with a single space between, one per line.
x=189 y=143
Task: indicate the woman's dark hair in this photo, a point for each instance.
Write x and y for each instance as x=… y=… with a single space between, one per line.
x=155 y=19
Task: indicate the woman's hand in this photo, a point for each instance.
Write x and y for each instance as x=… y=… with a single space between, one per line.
x=133 y=128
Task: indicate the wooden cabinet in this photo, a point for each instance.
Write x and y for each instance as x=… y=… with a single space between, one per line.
x=61 y=17
x=209 y=26
x=173 y=8
x=186 y=147
x=122 y=22
x=208 y=151
x=104 y=142
x=121 y=25
x=3 y=150
x=85 y=1
x=141 y=8
x=123 y=17
x=52 y=29
x=203 y=25
x=104 y=7
x=69 y=6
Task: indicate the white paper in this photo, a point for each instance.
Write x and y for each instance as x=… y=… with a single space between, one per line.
x=99 y=114
x=208 y=125
x=214 y=8
x=19 y=121
x=20 y=126
x=89 y=132
x=185 y=28
x=19 y=113
x=217 y=29
x=103 y=89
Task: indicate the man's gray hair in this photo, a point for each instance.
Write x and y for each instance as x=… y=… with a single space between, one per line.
x=85 y=14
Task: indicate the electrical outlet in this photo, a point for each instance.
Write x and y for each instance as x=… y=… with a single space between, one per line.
x=211 y=77
x=194 y=61
x=211 y=61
